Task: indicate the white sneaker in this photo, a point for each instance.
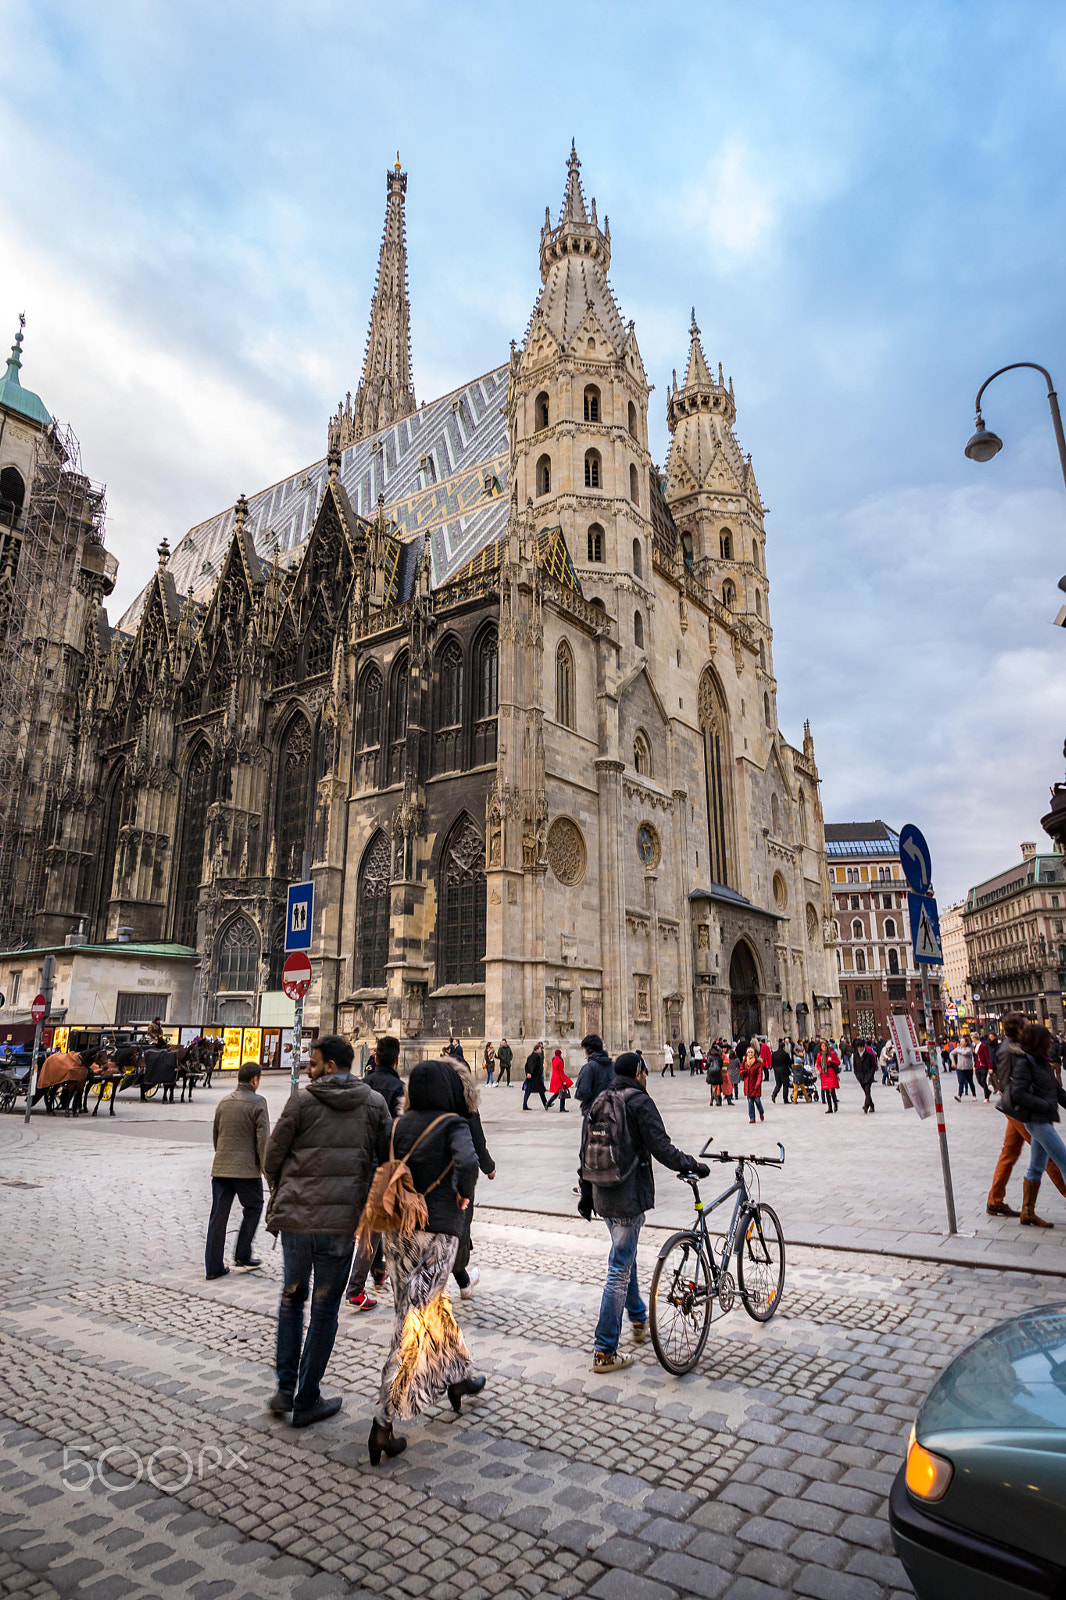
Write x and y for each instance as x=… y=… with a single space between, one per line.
x=474 y=1275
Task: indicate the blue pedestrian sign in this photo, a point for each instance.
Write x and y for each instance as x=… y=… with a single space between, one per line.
x=299 y=916
x=917 y=862
x=925 y=930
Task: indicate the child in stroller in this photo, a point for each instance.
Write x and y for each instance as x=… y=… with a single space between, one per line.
x=804 y=1082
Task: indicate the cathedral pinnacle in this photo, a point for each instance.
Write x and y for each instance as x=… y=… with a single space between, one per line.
x=386 y=391
x=576 y=234
x=701 y=392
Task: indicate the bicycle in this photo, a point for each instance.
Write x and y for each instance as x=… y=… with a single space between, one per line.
x=688 y=1280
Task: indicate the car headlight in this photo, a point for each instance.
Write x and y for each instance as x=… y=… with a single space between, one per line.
x=928 y=1475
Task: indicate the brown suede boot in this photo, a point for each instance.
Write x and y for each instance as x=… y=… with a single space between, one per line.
x=1000 y=1209
x=1029 y=1218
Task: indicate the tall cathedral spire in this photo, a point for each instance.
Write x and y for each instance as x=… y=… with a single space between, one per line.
x=386 y=391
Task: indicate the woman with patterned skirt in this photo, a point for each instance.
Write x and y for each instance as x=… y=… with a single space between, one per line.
x=427 y=1358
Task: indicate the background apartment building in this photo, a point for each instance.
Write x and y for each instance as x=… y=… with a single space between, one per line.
x=876 y=969
x=1014 y=925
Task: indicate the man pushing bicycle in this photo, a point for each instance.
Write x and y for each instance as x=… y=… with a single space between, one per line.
x=622 y=1132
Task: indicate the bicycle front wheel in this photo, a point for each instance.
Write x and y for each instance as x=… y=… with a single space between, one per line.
x=761 y=1262
x=682 y=1288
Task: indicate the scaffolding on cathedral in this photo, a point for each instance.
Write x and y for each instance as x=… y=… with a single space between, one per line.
x=39 y=566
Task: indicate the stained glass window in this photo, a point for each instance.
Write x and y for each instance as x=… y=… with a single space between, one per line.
x=191 y=854
x=462 y=907
x=373 y=914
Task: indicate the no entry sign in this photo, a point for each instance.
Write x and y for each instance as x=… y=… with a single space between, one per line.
x=39 y=1008
x=295 y=976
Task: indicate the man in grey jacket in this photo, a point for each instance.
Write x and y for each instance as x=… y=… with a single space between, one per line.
x=241 y=1131
x=319 y=1164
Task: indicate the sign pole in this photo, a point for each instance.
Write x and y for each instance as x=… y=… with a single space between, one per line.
x=297 y=1042
x=938 y=1100
x=41 y=1007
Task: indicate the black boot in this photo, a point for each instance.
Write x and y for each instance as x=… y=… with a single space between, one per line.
x=383 y=1439
x=468 y=1386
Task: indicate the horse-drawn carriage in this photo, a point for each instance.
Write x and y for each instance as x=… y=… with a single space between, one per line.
x=107 y=1061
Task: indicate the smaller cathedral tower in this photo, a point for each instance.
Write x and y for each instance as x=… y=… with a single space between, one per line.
x=386 y=390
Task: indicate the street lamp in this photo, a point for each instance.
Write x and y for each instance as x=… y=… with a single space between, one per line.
x=985 y=444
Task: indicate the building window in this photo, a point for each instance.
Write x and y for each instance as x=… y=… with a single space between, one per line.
x=766 y=710
x=592 y=403
x=372 y=915
x=488 y=674
x=564 y=685
x=729 y=593
x=634 y=485
x=540 y=410
x=592 y=469
x=860 y=961
x=370 y=724
x=638 y=563
x=857 y=930
x=398 y=716
x=1054 y=902
x=14 y=984
x=725 y=544
x=762 y=655
x=294 y=799
x=462 y=902
x=632 y=419
x=238 y=958
x=638 y=630
x=714 y=725
x=758 y=603
x=544 y=476
x=775 y=816
x=191 y=850
x=642 y=756
x=143 y=1007
x=853 y=875
x=890 y=928
x=893 y=962
x=451 y=685
x=12 y=495
x=687 y=550
x=595 y=542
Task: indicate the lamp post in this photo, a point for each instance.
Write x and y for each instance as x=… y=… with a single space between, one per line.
x=984 y=444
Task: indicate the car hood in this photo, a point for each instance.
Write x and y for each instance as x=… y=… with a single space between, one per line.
x=1013 y=1377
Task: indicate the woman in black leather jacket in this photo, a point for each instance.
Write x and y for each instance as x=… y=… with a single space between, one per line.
x=1035 y=1096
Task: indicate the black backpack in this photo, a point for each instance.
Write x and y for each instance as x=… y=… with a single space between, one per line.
x=608 y=1150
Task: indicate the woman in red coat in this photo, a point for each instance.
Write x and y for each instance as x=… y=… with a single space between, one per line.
x=560 y=1083
x=827 y=1064
x=751 y=1077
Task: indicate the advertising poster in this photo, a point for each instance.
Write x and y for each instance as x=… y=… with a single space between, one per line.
x=253 y=1044
x=913 y=1082
x=231 y=1049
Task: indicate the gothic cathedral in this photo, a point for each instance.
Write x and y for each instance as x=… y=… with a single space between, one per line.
x=501 y=687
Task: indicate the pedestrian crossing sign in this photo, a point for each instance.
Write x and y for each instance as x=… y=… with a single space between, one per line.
x=925 y=930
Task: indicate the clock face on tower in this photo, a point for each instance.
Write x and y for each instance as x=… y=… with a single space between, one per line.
x=648 y=847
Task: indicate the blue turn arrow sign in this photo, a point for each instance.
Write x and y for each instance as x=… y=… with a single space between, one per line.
x=916 y=859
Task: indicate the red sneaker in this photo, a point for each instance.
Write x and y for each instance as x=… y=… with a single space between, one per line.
x=361 y=1302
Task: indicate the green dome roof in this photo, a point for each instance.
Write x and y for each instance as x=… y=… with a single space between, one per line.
x=13 y=395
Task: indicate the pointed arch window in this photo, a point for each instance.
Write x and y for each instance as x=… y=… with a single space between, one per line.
x=593 y=474
x=766 y=711
x=718 y=779
x=775 y=816
x=398 y=716
x=564 y=685
x=221 y=676
x=642 y=756
x=238 y=958
x=294 y=799
x=544 y=476
x=634 y=484
x=373 y=914
x=451 y=685
x=638 y=560
x=318 y=649
x=632 y=419
x=638 y=630
x=12 y=495
x=762 y=655
x=595 y=542
x=461 y=902
x=113 y=806
x=729 y=594
x=190 y=872
x=541 y=410
x=592 y=403
x=370 y=709
x=488 y=674
x=758 y=603
x=725 y=544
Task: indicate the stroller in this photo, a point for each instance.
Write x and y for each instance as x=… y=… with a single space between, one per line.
x=804 y=1083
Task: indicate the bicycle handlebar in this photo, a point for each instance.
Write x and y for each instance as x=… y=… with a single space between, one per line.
x=756 y=1161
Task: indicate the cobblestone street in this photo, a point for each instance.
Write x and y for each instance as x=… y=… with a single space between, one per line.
x=765 y=1472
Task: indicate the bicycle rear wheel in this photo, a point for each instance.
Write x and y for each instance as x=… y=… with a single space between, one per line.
x=761 y=1262
x=682 y=1288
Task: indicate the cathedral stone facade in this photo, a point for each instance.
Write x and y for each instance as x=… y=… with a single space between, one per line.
x=502 y=688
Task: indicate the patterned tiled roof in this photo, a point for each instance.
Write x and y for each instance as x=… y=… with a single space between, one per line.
x=553 y=557
x=442 y=473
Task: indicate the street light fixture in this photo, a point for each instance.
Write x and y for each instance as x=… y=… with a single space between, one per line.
x=985 y=444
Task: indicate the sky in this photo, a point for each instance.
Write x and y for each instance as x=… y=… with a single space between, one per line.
x=864 y=203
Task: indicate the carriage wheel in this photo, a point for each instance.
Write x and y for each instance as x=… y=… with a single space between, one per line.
x=8 y=1096
x=153 y=1089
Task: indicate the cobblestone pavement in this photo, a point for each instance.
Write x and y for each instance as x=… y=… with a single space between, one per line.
x=137 y=1457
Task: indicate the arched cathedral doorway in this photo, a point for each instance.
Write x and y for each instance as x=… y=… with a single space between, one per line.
x=744 y=992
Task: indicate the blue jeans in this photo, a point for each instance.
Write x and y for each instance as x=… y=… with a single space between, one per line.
x=329 y=1257
x=1047 y=1143
x=621 y=1286
x=754 y=1104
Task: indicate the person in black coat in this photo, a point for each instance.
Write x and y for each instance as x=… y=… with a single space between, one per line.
x=382 y=1075
x=623 y=1207
x=781 y=1066
x=595 y=1075
x=534 y=1077
x=1034 y=1095
x=864 y=1066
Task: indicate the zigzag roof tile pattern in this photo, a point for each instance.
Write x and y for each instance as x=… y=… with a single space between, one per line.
x=458 y=499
